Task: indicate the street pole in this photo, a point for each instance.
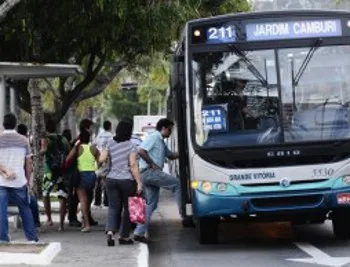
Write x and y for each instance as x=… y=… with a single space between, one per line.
x=149 y=104
x=12 y=100
x=160 y=104
x=2 y=98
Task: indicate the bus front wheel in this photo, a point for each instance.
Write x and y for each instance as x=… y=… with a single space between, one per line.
x=341 y=222
x=207 y=229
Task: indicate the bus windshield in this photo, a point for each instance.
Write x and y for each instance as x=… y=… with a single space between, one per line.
x=289 y=95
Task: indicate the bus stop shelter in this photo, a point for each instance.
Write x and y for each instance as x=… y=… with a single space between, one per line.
x=24 y=71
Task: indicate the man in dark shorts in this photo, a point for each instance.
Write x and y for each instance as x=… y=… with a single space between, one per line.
x=52 y=146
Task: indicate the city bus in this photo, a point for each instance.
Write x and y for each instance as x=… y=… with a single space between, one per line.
x=261 y=105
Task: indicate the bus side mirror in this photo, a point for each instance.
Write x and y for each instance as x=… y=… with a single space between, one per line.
x=178 y=73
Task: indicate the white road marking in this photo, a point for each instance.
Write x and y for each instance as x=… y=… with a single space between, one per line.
x=142 y=258
x=319 y=257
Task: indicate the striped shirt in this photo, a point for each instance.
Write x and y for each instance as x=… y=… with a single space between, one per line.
x=14 y=149
x=119 y=154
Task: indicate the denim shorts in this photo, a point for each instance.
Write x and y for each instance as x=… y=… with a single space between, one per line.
x=87 y=180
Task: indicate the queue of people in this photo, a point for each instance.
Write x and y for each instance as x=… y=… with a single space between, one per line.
x=113 y=164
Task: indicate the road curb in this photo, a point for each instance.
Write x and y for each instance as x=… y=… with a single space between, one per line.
x=43 y=258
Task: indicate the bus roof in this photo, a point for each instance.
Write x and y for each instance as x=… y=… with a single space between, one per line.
x=272 y=13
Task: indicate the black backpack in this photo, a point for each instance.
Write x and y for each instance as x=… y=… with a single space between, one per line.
x=56 y=153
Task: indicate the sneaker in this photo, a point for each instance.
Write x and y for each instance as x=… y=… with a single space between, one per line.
x=75 y=223
x=141 y=239
x=33 y=241
x=110 y=239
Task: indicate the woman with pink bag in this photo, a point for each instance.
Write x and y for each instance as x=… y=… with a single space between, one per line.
x=120 y=181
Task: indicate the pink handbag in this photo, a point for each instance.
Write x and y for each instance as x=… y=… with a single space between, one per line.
x=137 y=209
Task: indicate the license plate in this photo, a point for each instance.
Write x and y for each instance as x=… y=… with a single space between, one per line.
x=343 y=199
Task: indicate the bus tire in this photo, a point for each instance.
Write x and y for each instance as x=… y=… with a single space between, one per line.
x=187 y=222
x=207 y=229
x=341 y=222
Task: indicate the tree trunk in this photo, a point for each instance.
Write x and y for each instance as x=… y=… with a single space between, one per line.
x=65 y=121
x=73 y=120
x=38 y=133
x=6 y=7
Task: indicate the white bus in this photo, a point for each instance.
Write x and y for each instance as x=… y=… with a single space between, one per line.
x=261 y=106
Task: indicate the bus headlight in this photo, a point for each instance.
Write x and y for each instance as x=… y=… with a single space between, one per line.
x=221 y=187
x=194 y=184
x=206 y=187
x=346 y=179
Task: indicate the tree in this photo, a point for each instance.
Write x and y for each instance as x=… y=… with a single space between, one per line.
x=293 y=4
x=101 y=35
x=38 y=131
x=121 y=101
x=153 y=81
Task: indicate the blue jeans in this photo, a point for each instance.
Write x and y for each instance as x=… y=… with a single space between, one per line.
x=34 y=207
x=20 y=197
x=153 y=180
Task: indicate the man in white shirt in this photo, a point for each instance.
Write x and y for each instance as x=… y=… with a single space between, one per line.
x=15 y=156
x=101 y=141
x=104 y=136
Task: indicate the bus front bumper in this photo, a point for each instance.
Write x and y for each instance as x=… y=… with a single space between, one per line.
x=205 y=205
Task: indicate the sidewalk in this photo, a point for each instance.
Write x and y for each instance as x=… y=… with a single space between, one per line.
x=87 y=249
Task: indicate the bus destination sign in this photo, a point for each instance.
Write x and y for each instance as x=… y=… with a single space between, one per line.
x=214 y=34
x=214 y=118
x=293 y=29
x=224 y=34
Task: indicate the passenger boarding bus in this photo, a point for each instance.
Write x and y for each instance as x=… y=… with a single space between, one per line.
x=261 y=103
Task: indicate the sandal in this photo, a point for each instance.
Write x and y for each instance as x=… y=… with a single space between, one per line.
x=49 y=223
x=86 y=230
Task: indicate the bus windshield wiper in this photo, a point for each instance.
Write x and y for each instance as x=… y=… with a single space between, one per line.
x=306 y=61
x=249 y=64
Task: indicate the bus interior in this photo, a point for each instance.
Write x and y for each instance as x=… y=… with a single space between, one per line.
x=248 y=98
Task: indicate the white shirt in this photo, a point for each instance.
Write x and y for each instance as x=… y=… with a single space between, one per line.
x=14 y=149
x=102 y=139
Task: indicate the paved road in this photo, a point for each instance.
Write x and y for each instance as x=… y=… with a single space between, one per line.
x=265 y=244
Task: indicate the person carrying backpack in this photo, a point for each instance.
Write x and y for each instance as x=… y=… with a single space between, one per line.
x=55 y=149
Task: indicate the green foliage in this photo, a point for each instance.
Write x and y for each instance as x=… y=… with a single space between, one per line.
x=153 y=79
x=121 y=106
x=103 y=36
